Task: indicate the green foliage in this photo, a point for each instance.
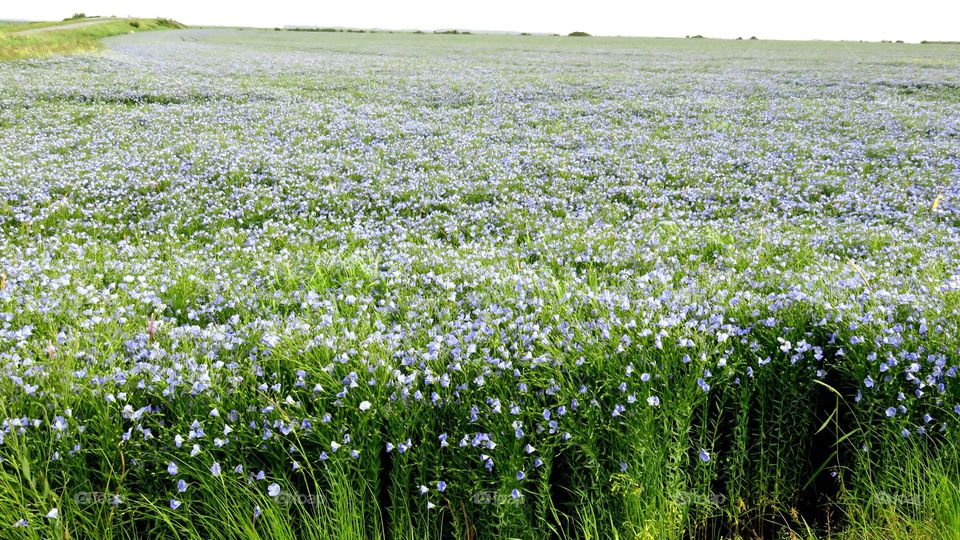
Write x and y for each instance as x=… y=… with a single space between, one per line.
x=84 y=38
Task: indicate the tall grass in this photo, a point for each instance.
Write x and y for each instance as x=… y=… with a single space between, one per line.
x=70 y=40
x=789 y=456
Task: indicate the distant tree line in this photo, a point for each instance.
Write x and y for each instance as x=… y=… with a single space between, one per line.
x=359 y=31
x=324 y=29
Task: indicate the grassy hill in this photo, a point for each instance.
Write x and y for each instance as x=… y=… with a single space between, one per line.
x=25 y=40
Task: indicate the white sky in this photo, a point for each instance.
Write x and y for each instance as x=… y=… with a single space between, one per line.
x=912 y=20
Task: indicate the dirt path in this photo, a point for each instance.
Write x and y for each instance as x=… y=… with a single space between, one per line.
x=59 y=27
